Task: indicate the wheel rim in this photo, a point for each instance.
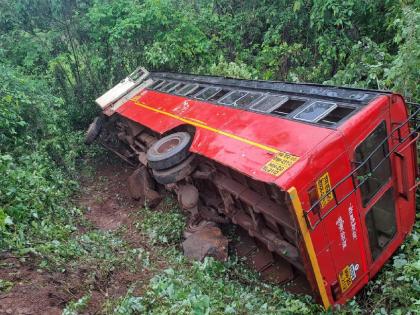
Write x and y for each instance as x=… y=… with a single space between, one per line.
x=168 y=145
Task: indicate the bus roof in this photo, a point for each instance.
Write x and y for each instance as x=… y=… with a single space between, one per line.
x=323 y=105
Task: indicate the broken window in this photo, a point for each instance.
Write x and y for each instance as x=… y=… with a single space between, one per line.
x=337 y=115
x=186 y=90
x=168 y=86
x=179 y=87
x=218 y=95
x=137 y=74
x=174 y=87
x=156 y=84
x=195 y=91
x=288 y=106
x=381 y=225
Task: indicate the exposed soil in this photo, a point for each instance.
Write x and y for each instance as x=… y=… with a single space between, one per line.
x=106 y=197
x=108 y=206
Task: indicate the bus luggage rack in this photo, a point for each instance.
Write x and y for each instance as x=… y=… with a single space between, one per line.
x=412 y=121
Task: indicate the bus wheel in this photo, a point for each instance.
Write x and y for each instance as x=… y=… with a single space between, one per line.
x=169 y=151
x=176 y=173
x=94 y=130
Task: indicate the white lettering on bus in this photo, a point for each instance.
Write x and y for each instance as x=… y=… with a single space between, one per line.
x=340 y=225
x=352 y=222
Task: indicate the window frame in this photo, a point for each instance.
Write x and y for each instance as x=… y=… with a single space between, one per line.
x=222 y=100
x=207 y=88
x=282 y=99
x=319 y=116
x=355 y=163
x=388 y=189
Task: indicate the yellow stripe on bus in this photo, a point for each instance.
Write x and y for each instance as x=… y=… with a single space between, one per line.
x=203 y=126
x=309 y=246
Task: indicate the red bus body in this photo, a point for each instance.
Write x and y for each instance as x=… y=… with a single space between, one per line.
x=334 y=232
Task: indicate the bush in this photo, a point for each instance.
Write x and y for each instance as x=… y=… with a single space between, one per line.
x=38 y=155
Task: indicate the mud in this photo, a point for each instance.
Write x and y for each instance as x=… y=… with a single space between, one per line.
x=108 y=206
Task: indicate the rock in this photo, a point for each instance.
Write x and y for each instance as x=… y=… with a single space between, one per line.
x=194 y=227
x=208 y=241
x=141 y=187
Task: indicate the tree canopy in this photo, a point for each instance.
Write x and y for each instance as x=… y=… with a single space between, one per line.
x=86 y=46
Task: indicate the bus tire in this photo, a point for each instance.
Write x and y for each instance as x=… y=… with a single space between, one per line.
x=176 y=173
x=169 y=151
x=94 y=130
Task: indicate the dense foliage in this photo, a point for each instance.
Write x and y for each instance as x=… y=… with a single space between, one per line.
x=37 y=160
x=86 y=46
x=57 y=56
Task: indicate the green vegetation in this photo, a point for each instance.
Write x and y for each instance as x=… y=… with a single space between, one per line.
x=212 y=287
x=5 y=285
x=162 y=227
x=57 y=56
x=38 y=156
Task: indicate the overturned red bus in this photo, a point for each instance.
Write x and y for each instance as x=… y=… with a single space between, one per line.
x=322 y=178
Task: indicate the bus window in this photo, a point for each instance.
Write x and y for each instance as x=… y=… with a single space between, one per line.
x=248 y=99
x=381 y=225
x=373 y=180
x=231 y=98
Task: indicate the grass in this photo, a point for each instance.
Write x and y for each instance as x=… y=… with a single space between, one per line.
x=165 y=282
x=209 y=287
x=5 y=286
x=212 y=287
x=164 y=227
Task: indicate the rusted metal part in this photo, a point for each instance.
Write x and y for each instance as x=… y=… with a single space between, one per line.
x=142 y=158
x=213 y=192
x=299 y=285
x=272 y=269
x=205 y=171
x=121 y=156
x=176 y=173
x=273 y=243
x=279 y=272
x=188 y=196
x=141 y=187
x=259 y=204
x=212 y=215
x=251 y=211
x=188 y=199
x=147 y=139
x=134 y=129
x=208 y=241
x=127 y=140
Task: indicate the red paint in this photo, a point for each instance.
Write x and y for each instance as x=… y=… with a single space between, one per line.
x=319 y=150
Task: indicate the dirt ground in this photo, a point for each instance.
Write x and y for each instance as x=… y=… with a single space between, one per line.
x=108 y=207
